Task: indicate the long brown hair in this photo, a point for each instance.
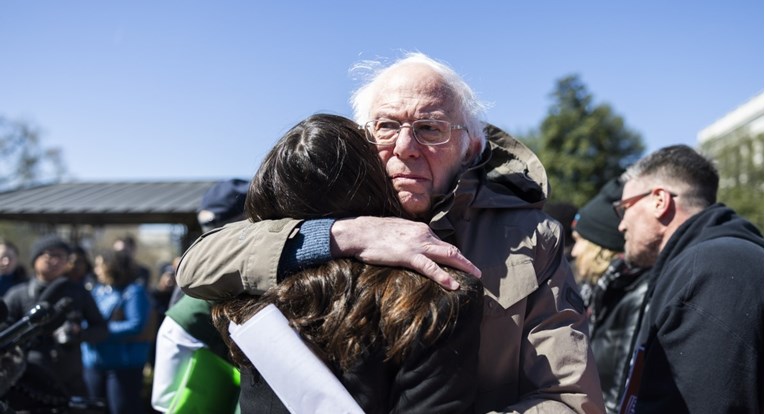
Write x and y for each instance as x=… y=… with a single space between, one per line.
x=344 y=308
x=322 y=167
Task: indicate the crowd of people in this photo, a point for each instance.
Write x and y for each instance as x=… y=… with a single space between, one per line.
x=410 y=250
x=93 y=341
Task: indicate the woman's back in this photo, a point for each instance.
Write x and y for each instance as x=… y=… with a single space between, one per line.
x=429 y=350
x=397 y=340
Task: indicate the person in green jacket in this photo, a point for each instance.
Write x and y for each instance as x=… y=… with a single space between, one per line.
x=187 y=326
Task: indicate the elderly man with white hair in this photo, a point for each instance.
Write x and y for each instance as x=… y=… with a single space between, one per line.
x=479 y=203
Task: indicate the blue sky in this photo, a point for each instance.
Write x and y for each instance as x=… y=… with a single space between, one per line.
x=200 y=90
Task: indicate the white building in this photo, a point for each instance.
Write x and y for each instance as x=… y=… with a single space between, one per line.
x=735 y=142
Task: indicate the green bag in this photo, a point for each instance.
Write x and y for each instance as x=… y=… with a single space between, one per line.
x=210 y=384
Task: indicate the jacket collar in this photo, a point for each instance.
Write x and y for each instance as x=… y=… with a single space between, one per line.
x=507 y=175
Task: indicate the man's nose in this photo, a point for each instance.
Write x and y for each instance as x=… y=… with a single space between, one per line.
x=406 y=145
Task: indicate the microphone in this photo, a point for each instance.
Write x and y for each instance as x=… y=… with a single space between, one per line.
x=37 y=315
x=54 y=290
x=31 y=324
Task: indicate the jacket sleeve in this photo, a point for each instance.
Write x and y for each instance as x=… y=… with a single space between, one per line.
x=559 y=374
x=236 y=258
x=97 y=329
x=174 y=349
x=13 y=301
x=136 y=309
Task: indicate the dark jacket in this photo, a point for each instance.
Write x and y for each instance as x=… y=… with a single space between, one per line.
x=62 y=359
x=702 y=328
x=17 y=277
x=441 y=378
x=614 y=307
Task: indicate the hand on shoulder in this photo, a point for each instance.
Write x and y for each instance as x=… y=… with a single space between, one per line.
x=392 y=241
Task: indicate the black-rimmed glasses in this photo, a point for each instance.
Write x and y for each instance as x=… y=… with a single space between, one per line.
x=426 y=131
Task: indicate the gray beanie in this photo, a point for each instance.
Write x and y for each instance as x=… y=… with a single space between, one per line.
x=46 y=243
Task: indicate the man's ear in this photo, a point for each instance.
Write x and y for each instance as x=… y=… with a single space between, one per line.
x=662 y=203
x=473 y=151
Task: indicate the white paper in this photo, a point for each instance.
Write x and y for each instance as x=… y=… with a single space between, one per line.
x=298 y=377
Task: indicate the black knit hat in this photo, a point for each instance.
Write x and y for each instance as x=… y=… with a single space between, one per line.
x=223 y=202
x=597 y=221
x=47 y=243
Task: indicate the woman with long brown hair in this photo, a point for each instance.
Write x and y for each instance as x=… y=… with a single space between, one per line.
x=396 y=340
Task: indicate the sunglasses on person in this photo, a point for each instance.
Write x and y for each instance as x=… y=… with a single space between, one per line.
x=620 y=206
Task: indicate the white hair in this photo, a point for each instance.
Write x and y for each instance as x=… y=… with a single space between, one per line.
x=372 y=71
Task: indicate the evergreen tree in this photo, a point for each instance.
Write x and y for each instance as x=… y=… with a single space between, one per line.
x=582 y=145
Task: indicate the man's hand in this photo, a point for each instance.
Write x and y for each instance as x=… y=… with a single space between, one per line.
x=391 y=241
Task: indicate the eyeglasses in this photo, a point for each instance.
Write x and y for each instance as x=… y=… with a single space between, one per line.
x=620 y=206
x=426 y=131
x=54 y=255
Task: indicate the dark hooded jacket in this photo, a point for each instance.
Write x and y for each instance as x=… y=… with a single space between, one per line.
x=59 y=355
x=702 y=323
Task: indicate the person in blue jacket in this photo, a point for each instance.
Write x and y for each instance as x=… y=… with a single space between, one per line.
x=114 y=367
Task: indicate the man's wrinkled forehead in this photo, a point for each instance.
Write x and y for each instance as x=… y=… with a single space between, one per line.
x=417 y=90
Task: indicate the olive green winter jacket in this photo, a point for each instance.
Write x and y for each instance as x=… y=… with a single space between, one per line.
x=534 y=349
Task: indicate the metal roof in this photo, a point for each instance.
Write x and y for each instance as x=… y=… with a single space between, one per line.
x=172 y=202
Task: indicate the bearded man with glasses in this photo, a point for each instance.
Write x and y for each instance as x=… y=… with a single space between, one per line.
x=699 y=340
x=479 y=205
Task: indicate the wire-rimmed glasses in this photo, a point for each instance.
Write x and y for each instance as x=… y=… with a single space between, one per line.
x=426 y=131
